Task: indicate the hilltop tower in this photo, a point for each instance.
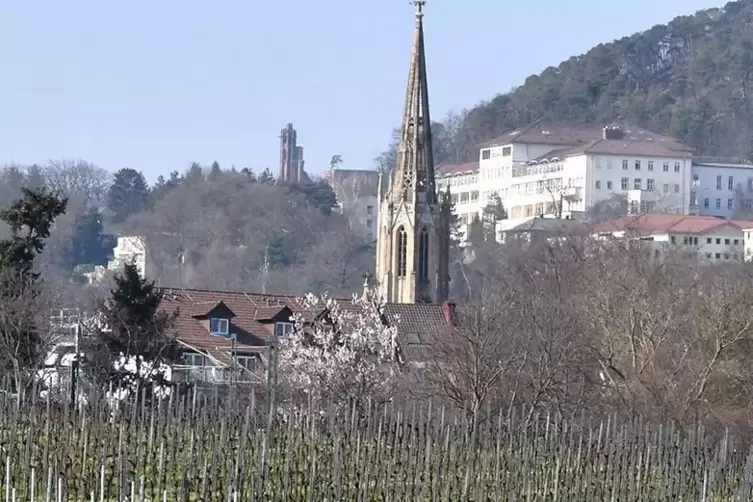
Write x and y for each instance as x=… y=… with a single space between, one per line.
x=291 y=156
x=413 y=240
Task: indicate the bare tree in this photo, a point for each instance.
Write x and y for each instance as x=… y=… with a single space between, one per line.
x=78 y=179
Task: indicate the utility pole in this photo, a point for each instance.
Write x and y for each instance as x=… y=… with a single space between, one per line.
x=75 y=362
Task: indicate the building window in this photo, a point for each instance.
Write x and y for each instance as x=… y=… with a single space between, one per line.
x=718 y=182
x=423 y=256
x=731 y=183
x=665 y=166
x=718 y=203
x=677 y=167
x=625 y=183
x=506 y=151
x=706 y=202
x=718 y=255
x=598 y=184
x=248 y=362
x=736 y=242
x=624 y=164
x=597 y=163
x=283 y=328
x=193 y=359
x=637 y=165
x=666 y=187
x=369 y=210
x=609 y=185
x=650 y=165
x=729 y=203
x=672 y=239
x=650 y=184
x=369 y=223
x=677 y=188
x=219 y=326
x=486 y=154
x=637 y=183
x=726 y=242
x=402 y=252
x=693 y=199
x=609 y=163
x=708 y=240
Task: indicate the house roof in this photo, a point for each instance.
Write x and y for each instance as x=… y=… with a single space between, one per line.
x=444 y=170
x=537 y=224
x=254 y=315
x=663 y=223
x=578 y=135
x=642 y=147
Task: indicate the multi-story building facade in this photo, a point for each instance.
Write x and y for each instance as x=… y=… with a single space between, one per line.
x=722 y=189
x=552 y=169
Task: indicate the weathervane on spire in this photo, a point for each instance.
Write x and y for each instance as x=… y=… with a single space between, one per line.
x=419 y=4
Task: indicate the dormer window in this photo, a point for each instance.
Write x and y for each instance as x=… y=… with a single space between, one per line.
x=219 y=326
x=283 y=329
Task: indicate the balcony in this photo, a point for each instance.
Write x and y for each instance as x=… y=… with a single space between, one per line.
x=216 y=375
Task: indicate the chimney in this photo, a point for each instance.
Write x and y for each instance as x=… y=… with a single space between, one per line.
x=450 y=314
x=612 y=132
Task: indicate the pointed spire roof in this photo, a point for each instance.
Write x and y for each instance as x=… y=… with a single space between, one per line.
x=414 y=172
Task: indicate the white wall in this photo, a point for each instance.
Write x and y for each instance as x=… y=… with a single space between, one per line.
x=721 y=200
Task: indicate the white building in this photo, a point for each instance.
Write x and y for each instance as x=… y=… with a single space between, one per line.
x=553 y=169
x=721 y=189
x=130 y=249
x=356 y=192
x=568 y=169
x=713 y=239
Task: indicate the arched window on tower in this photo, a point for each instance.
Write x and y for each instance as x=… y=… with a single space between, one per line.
x=423 y=255
x=402 y=252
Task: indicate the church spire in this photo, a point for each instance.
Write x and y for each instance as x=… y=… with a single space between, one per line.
x=414 y=172
x=413 y=237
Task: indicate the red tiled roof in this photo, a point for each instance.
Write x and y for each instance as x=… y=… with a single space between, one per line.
x=456 y=169
x=254 y=312
x=663 y=223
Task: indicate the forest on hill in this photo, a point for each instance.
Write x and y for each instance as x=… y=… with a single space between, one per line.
x=691 y=79
x=207 y=227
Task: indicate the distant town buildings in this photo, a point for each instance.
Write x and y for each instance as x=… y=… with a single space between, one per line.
x=291 y=157
x=356 y=192
x=566 y=170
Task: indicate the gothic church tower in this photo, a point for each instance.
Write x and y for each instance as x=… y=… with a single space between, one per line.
x=413 y=238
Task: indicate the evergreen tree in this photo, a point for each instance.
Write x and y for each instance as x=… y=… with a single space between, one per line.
x=90 y=246
x=215 y=172
x=248 y=174
x=162 y=187
x=266 y=177
x=195 y=173
x=30 y=220
x=318 y=193
x=137 y=341
x=129 y=194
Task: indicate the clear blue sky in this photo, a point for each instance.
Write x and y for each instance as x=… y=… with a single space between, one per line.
x=157 y=84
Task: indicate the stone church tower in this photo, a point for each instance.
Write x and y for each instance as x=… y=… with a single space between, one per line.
x=413 y=237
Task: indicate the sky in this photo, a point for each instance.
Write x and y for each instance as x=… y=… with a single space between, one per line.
x=156 y=85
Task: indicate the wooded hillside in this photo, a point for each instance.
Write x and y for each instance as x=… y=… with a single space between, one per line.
x=691 y=79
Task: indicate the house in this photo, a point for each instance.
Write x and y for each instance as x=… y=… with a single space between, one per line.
x=226 y=336
x=712 y=239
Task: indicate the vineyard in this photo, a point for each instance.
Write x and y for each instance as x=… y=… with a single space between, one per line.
x=199 y=449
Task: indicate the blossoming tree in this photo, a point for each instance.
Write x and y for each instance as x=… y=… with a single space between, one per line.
x=340 y=351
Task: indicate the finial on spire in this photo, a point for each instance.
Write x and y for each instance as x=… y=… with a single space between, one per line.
x=419 y=4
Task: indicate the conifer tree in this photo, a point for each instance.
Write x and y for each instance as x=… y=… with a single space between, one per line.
x=136 y=336
x=30 y=220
